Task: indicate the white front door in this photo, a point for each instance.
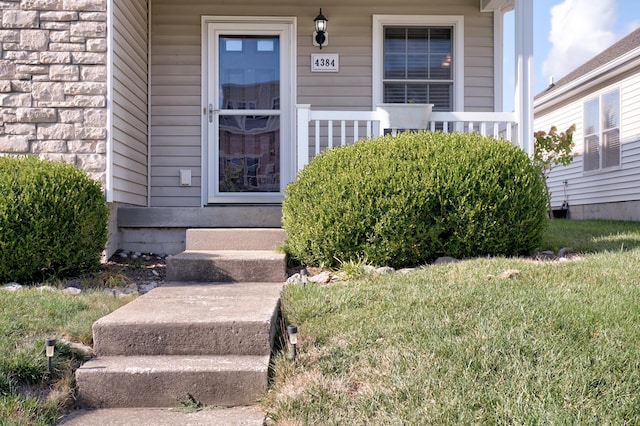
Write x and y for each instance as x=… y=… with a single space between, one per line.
x=250 y=97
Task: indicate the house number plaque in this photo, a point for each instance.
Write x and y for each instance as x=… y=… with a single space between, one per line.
x=325 y=62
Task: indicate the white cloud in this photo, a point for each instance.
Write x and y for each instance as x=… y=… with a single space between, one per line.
x=580 y=29
x=632 y=26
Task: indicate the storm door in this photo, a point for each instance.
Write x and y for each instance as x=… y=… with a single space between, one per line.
x=249 y=128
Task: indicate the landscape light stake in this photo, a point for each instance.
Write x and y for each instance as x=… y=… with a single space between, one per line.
x=50 y=345
x=292 y=331
x=304 y=274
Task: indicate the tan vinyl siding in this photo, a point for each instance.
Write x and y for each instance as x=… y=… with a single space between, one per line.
x=176 y=105
x=129 y=106
x=478 y=72
x=609 y=185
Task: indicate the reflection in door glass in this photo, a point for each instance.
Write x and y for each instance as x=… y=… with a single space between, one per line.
x=249 y=144
x=249 y=72
x=249 y=154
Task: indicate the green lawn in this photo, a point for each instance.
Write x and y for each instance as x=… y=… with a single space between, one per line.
x=29 y=395
x=558 y=343
x=592 y=236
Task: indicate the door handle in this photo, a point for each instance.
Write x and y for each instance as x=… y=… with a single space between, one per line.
x=210 y=113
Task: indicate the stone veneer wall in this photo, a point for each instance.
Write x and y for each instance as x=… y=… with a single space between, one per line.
x=53 y=81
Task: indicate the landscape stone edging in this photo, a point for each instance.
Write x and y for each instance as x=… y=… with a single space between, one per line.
x=326 y=277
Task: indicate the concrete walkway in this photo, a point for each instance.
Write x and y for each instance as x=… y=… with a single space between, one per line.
x=192 y=339
x=200 y=339
x=237 y=416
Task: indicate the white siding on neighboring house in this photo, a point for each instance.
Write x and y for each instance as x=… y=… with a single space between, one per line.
x=631 y=106
x=616 y=184
x=129 y=121
x=176 y=105
x=563 y=118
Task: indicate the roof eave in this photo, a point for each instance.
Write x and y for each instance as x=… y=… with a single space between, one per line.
x=605 y=72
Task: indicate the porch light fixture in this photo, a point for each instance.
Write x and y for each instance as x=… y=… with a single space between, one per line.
x=292 y=331
x=50 y=345
x=320 y=37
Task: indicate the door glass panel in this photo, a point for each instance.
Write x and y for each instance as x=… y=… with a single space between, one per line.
x=249 y=154
x=249 y=144
x=249 y=72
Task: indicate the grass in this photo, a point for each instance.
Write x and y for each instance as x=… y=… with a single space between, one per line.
x=592 y=236
x=557 y=343
x=27 y=317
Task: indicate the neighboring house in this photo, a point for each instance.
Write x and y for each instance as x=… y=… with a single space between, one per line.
x=602 y=97
x=198 y=113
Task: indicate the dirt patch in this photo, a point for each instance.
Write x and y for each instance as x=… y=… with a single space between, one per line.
x=142 y=271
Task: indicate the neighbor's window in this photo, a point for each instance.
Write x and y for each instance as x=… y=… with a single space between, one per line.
x=602 y=132
x=418 y=65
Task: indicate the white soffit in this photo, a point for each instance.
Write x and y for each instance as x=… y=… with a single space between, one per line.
x=491 y=5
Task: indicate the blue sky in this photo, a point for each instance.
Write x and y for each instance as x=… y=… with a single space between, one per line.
x=567 y=33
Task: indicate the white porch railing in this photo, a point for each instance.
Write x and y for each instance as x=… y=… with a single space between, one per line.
x=320 y=130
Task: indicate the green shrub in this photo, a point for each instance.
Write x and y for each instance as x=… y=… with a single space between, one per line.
x=53 y=220
x=405 y=200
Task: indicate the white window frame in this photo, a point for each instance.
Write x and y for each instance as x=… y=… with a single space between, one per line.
x=455 y=21
x=602 y=131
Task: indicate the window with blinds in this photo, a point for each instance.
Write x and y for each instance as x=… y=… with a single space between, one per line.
x=418 y=66
x=602 y=132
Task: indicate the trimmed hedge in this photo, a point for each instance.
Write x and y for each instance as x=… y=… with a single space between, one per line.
x=53 y=220
x=405 y=200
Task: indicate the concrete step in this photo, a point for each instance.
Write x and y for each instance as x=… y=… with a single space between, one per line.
x=227 y=266
x=193 y=319
x=237 y=416
x=234 y=239
x=163 y=381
